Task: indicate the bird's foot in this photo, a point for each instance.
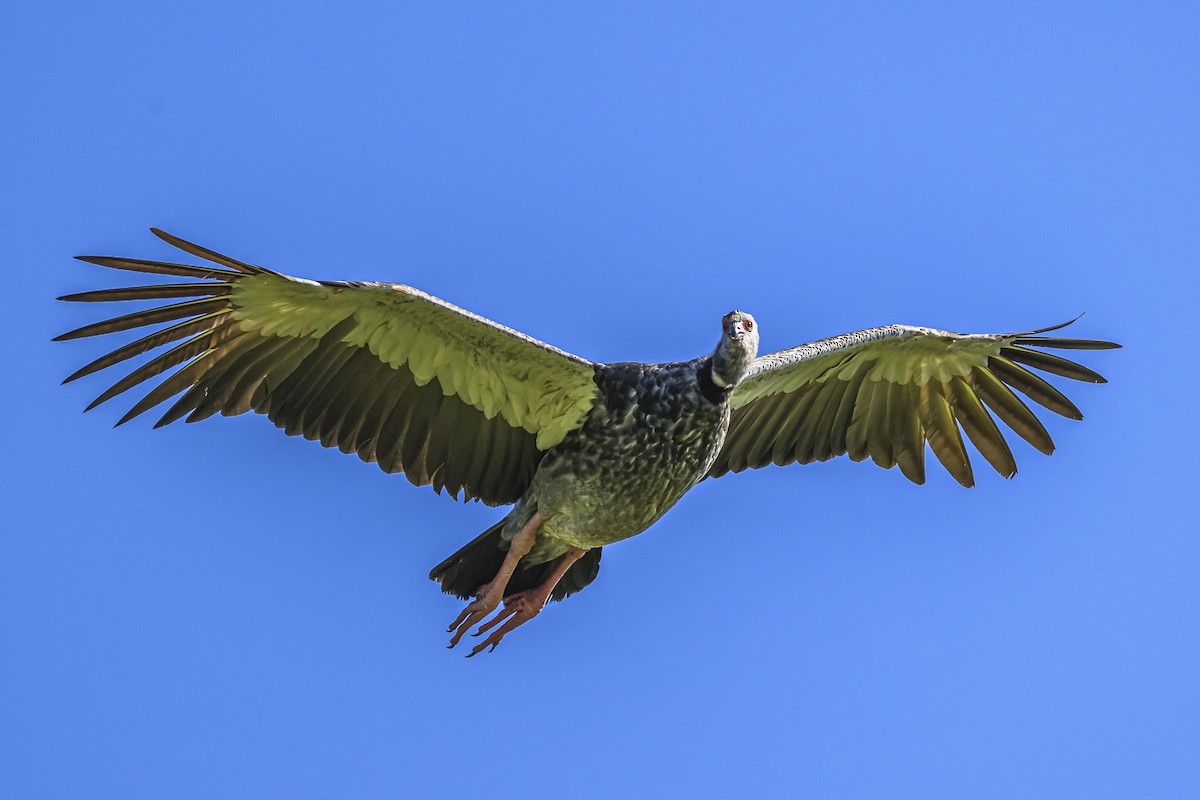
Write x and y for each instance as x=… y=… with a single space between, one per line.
x=476 y=611
x=518 y=609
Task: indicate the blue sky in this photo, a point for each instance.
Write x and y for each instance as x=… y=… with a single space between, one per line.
x=216 y=610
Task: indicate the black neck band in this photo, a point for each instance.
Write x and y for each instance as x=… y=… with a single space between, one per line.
x=708 y=387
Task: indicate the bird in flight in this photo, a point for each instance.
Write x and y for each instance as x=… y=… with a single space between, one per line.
x=587 y=453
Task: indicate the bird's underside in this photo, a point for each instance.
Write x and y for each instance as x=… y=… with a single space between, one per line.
x=589 y=453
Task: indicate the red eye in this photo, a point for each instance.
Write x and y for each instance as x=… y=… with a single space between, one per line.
x=749 y=323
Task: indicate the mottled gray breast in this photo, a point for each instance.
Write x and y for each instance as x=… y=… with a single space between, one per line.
x=652 y=436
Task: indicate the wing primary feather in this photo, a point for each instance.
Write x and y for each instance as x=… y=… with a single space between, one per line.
x=156 y=366
x=1060 y=343
x=208 y=396
x=981 y=429
x=158 y=292
x=151 y=316
x=173 y=385
x=158 y=267
x=231 y=389
x=270 y=391
x=255 y=366
x=206 y=254
x=1033 y=387
x=156 y=339
x=1055 y=365
x=943 y=435
x=1001 y=399
x=222 y=358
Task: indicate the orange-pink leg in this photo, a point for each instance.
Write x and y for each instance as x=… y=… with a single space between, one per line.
x=524 y=606
x=491 y=593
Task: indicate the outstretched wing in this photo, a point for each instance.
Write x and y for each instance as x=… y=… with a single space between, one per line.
x=884 y=392
x=395 y=375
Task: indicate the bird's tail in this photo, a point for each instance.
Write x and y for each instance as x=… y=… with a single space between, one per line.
x=479 y=560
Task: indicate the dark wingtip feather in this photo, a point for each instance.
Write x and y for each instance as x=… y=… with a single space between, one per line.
x=205 y=253
x=1066 y=343
x=1062 y=342
x=161 y=267
x=79 y=333
x=163 y=291
x=1059 y=326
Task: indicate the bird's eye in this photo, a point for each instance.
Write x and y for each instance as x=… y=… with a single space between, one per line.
x=749 y=323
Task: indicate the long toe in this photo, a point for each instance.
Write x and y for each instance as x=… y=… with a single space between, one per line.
x=504 y=614
x=515 y=621
x=475 y=612
x=518 y=609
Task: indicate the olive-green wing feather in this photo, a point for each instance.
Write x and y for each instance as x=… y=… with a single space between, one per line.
x=395 y=375
x=883 y=393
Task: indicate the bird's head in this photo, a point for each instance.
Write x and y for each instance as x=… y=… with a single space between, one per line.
x=736 y=350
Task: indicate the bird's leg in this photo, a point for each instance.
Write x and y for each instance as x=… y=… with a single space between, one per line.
x=524 y=606
x=491 y=593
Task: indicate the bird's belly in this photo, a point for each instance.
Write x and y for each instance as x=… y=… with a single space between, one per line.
x=611 y=484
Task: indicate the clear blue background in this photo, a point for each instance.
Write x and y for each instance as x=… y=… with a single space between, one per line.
x=219 y=611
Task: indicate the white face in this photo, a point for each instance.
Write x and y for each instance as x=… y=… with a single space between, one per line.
x=738 y=324
x=737 y=348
